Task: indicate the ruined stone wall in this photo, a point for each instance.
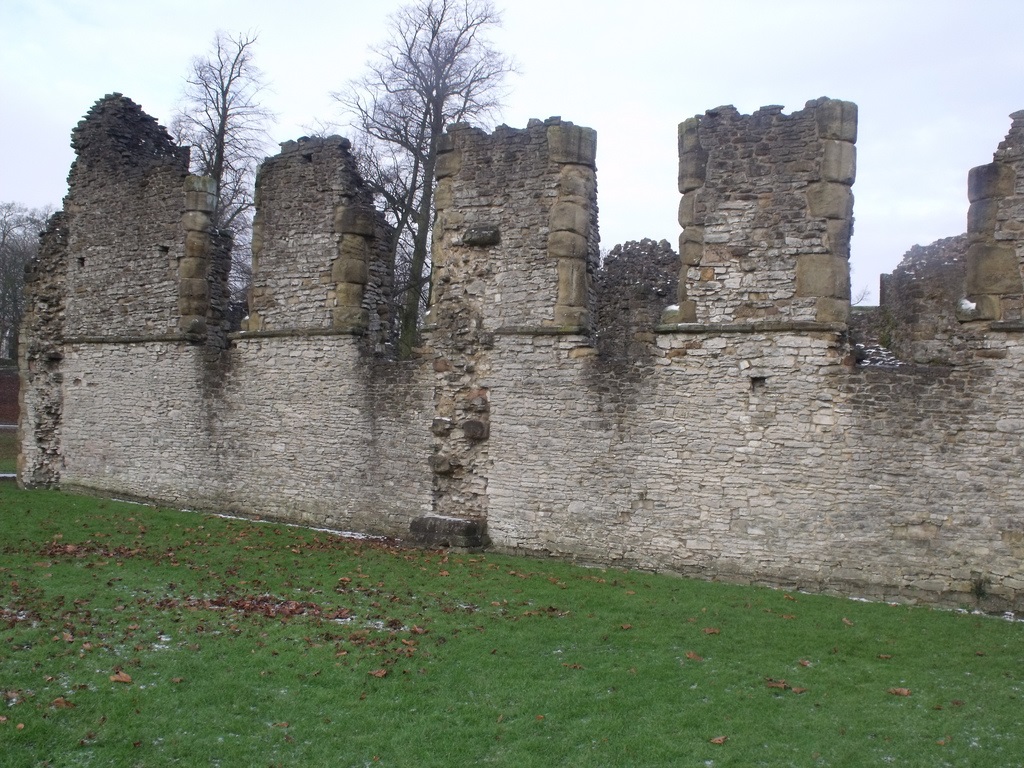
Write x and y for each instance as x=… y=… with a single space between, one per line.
x=738 y=440
x=917 y=312
x=319 y=249
x=995 y=258
x=767 y=214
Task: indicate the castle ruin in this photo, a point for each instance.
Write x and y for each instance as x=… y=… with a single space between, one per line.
x=729 y=433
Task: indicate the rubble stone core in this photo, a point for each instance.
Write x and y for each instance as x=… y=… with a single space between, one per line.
x=549 y=409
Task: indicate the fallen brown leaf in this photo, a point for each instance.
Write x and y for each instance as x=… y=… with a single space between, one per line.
x=61 y=703
x=627 y=626
x=899 y=691
x=694 y=656
x=799 y=690
x=884 y=656
x=120 y=677
x=847 y=622
x=718 y=740
x=804 y=663
x=773 y=683
x=379 y=673
x=711 y=631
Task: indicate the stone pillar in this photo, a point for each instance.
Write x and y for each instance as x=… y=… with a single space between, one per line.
x=194 y=266
x=766 y=212
x=995 y=232
x=516 y=239
x=356 y=228
x=574 y=148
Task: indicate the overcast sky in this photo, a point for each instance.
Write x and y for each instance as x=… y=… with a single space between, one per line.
x=935 y=81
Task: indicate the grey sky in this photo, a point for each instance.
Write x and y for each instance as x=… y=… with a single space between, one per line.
x=935 y=81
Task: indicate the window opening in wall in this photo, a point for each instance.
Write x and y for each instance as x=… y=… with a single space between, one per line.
x=81 y=261
x=757 y=383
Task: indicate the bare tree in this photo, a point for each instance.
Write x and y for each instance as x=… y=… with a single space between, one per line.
x=436 y=68
x=19 y=242
x=221 y=117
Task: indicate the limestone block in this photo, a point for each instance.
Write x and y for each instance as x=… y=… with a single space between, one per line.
x=993 y=269
x=820 y=274
x=572 y=282
x=572 y=144
x=348 y=317
x=693 y=170
x=352 y=220
x=443 y=194
x=196 y=220
x=992 y=180
x=200 y=193
x=690 y=251
x=567 y=245
x=689 y=136
x=192 y=268
x=569 y=217
x=194 y=288
x=571 y=318
x=687 y=216
x=354 y=248
x=981 y=217
x=830 y=200
x=448 y=164
x=839 y=232
x=839 y=162
x=828 y=310
x=192 y=306
x=576 y=184
x=349 y=294
x=350 y=271
x=197 y=245
x=837 y=120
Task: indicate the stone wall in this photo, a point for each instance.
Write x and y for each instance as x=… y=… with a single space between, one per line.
x=767 y=214
x=739 y=439
x=917 y=312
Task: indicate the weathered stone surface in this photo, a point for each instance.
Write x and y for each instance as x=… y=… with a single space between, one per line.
x=572 y=144
x=545 y=407
x=481 y=236
x=993 y=269
x=836 y=119
x=989 y=181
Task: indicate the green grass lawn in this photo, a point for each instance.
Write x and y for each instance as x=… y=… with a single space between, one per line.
x=131 y=636
x=8 y=450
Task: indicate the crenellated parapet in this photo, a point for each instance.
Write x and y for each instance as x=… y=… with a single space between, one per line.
x=767 y=213
x=516 y=240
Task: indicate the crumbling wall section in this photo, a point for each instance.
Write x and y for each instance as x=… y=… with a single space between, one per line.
x=635 y=282
x=320 y=250
x=767 y=213
x=124 y=220
x=917 y=312
x=40 y=352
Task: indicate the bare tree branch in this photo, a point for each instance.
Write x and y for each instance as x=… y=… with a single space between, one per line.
x=436 y=68
x=19 y=242
x=222 y=119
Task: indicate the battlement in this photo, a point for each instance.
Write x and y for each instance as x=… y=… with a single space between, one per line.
x=701 y=413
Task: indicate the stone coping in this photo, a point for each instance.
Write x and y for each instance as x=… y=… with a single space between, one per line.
x=803 y=326
x=296 y=332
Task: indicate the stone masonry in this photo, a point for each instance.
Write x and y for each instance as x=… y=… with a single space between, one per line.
x=734 y=437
